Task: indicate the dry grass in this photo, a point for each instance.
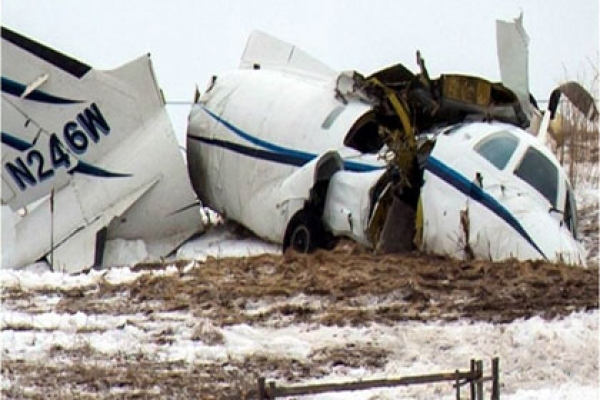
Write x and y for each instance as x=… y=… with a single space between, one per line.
x=88 y=375
x=348 y=286
x=580 y=150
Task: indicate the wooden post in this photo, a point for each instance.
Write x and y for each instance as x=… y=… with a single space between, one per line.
x=495 y=378
x=471 y=382
x=480 y=380
x=261 y=388
x=457 y=385
x=474 y=377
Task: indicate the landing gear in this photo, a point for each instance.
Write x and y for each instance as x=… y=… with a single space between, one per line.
x=305 y=232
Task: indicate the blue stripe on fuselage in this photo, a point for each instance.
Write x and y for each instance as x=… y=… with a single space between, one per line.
x=279 y=154
x=82 y=167
x=16 y=89
x=468 y=188
x=269 y=151
x=15 y=142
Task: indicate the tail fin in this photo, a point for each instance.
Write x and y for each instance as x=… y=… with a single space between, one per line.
x=96 y=138
x=265 y=51
x=513 y=55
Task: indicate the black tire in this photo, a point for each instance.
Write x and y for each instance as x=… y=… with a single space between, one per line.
x=301 y=239
x=305 y=233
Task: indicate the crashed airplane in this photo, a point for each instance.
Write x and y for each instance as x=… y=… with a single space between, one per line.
x=293 y=150
x=301 y=154
x=88 y=157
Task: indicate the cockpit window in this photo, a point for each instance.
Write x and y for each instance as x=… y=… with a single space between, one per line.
x=498 y=148
x=537 y=170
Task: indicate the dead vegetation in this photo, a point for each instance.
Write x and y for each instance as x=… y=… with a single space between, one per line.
x=588 y=229
x=345 y=287
x=348 y=286
x=578 y=140
x=89 y=375
x=578 y=154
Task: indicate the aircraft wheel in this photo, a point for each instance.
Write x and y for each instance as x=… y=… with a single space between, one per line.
x=305 y=233
x=301 y=240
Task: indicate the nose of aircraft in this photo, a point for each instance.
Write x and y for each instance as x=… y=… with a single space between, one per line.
x=553 y=238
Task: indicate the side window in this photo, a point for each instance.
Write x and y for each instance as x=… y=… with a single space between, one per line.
x=364 y=135
x=539 y=172
x=570 y=214
x=331 y=117
x=498 y=148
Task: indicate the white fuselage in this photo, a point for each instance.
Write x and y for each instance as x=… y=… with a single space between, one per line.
x=252 y=133
x=507 y=216
x=255 y=132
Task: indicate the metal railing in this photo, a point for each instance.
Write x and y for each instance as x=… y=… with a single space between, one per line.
x=474 y=378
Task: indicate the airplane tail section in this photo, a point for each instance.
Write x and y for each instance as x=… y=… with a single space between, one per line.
x=60 y=117
x=94 y=138
x=265 y=51
x=513 y=56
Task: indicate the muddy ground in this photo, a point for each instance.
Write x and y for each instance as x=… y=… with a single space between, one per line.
x=407 y=287
x=347 y=286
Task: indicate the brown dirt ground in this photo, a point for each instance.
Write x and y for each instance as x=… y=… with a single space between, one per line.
x=347 y=286
x=90 y=375
x=407 y=287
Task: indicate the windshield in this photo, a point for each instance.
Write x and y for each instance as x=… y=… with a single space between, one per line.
x=498 y=148
x=538 y=171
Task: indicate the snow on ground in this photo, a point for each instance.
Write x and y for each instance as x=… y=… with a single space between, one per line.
x=558 y=357
x=555 y=359
x=220 y=242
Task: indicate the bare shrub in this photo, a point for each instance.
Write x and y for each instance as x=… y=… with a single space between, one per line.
x=578 y=152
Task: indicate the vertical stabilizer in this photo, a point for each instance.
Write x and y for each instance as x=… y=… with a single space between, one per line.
x=513 y=55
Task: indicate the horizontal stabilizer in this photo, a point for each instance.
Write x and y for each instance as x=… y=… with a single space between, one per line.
x=77 y=253
x=74 y=233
